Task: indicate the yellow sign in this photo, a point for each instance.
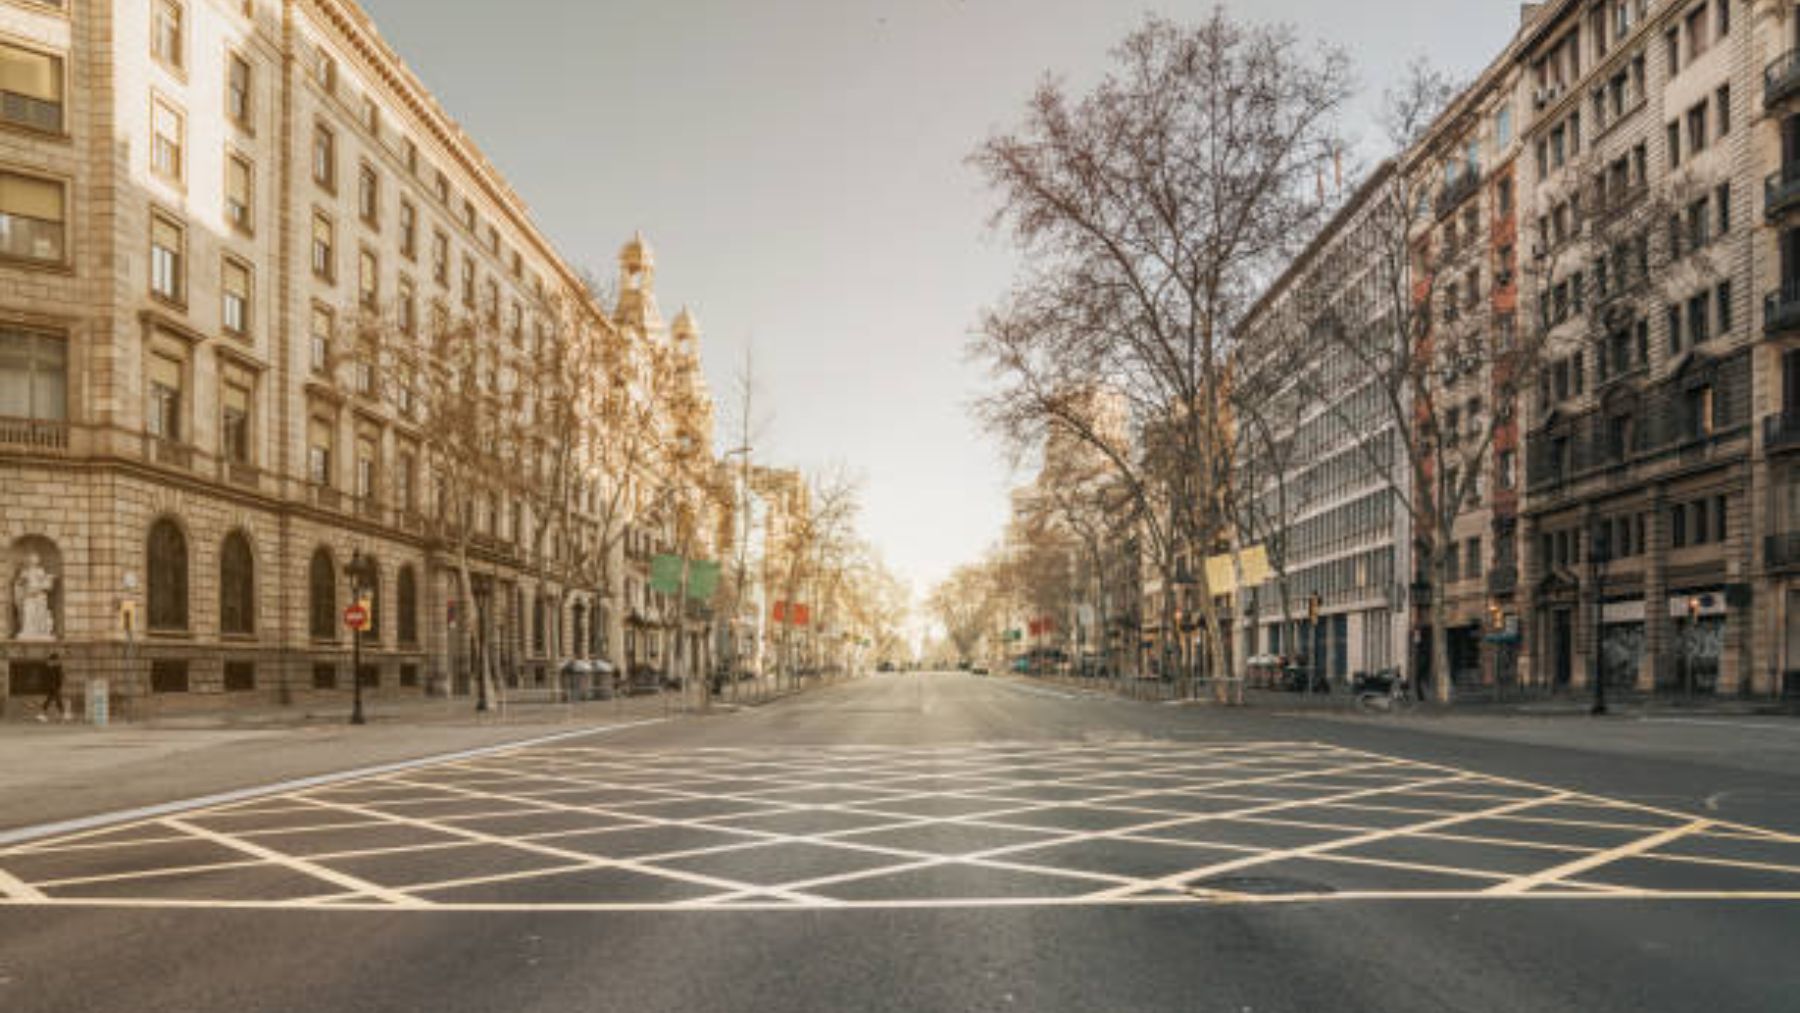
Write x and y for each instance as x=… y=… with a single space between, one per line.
x=1222 y=570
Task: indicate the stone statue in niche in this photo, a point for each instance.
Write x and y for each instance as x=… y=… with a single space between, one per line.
x=32 y=588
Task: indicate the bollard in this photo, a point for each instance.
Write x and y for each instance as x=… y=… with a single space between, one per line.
x=96 y=702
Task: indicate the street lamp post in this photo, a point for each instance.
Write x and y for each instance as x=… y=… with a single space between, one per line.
x=1598 y=552
x=1313 y=601
x=359 y=573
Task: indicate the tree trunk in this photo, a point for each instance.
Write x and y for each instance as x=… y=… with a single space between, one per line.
x=1440 y=619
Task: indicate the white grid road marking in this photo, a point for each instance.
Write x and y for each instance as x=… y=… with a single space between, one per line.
x=869 y=826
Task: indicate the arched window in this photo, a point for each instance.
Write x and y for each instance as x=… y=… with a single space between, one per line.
x=237 y=586
x=537 y=624
x=321 y=585
x=166 y=566
x=409 y=606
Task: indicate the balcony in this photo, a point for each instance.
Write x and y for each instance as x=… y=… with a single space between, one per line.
x=1781 y=78
x=1781 y=308
x=1781 y=431
x=1781 y=191
x=324 y=497
x=241 y=473
x=1457 y=190
x=168 y=452
x=1782 y=552
x=34 y=436
x=366 y=507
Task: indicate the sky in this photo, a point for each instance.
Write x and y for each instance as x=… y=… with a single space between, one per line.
x=798 y=167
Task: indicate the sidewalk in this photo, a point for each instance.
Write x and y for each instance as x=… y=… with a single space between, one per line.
x=1470 y=703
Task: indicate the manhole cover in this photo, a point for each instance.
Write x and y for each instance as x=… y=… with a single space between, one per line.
x=1260 y=886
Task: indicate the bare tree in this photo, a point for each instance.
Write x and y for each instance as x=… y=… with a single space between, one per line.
x=1148 y=212
x=966 y=603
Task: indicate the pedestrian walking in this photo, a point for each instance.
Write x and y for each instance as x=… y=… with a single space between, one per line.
x=53 y=689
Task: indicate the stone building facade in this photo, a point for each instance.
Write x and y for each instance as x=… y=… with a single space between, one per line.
x=198 y=201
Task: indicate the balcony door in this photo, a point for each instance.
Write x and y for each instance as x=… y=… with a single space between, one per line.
x=1790 y=384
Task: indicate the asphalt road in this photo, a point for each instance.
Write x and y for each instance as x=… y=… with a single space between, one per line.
x=950 y=843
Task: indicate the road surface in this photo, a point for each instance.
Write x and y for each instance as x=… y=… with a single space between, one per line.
x=945 y=842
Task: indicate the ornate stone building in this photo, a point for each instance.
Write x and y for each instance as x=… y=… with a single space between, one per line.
x=203 y=203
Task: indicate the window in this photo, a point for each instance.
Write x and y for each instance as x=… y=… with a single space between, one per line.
x=1674 y=327
x=409 y=153
x=1506 y=464
x=1672 y=51
x=490 y=302
x=1724 y=11
x=406 y=310
x=166 y=33
x=468 y=214
x=320 y=340
x=166 y=565
x=1722 y=104
x=468 y=281
x=403 y=480
x=321 y=587
x=1722 y=301
x=234 y=285
x=1674 y=142
x=238 y=191
x=440 y=258
x=162 y=400
x=237 y=586
x=1699 y=40
x=1697 y=136
x=31 y=89
x=325 y=70
x=324 y=157
x=237 y=90
x=167 y=136
x=34 y=375
x=318 y=450
x=1503 y=126
x=407 y=591
x=1722 y=200
x=167 y=269
x=234 y=419
x=365 y=467
x=240 y=676
x=324 y=241
x=1503 y=197
x=32 y=219
x=368 y=279
x=1699 y=320
x=1620 y=430
x=409 y=230
x=368 y=195
x=1472 y=558
x=1720 y=528
x=440 y=185
x=1700 y=412
x=371 y=116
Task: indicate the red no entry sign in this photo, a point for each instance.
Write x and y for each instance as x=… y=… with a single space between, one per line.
x=356 y=618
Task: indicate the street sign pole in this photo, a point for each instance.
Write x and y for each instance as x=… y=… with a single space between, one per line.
x=356 y=616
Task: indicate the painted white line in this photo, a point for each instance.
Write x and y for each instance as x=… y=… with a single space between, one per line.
x=334 y=903
x=21 y=835
x=18 y=890
x=338 y=879
x=1583 y=864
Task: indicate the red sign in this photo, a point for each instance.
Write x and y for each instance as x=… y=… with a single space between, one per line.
x=791 y=613
x=356 y=618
